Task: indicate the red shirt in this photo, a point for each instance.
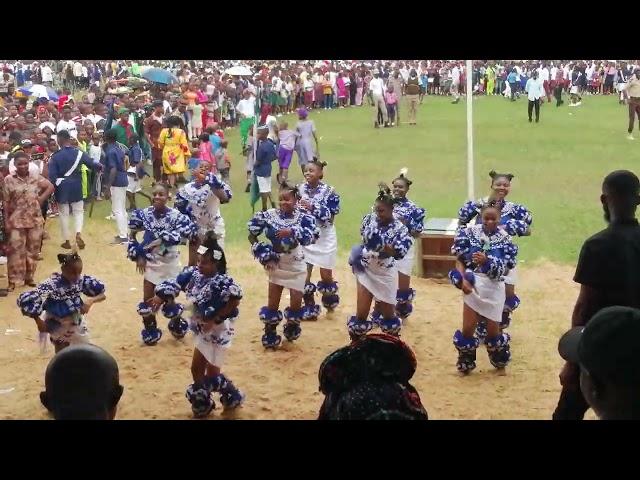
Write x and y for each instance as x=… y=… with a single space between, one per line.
x=61 y=101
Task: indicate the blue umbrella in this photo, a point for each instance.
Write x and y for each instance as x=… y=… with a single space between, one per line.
x=40 y=91
x=159 y=75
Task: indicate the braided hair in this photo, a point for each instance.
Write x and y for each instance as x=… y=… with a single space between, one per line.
x=318 y=164
x=384 y=195
x=286 y=186
x=214 y=252
x=403 y=177
x=494 y=176
x=490 y=204
x=65 y=259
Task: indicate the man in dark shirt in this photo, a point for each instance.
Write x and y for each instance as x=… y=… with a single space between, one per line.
x=608 y=272
x=117 y=181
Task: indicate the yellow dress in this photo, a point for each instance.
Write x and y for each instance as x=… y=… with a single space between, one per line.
x=175 y=150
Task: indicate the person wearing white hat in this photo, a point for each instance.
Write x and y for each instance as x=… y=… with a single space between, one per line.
x=377 y=89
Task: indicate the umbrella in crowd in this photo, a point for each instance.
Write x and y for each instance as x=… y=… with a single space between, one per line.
x=159 y=75
x=40 y=91
x=239 y=71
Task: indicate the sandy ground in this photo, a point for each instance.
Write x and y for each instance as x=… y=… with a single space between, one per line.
x=284 y=384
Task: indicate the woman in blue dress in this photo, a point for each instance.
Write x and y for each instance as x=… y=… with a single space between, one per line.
x=385 y=240
x=515 y=220
x=287 y=229
x=412 y=217
x=60 y=299
x=213 y=298
x=485 y=254
x=157 y=256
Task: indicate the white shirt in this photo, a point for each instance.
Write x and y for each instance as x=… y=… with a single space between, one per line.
x=405 y=74
x=534 y=89
x=554 y=70
x=566 y=73
x=455 y=74
x=95 y=118
x=276 y=84
x=69 y=126
x=95 y=151
x=272 y=122
x=167 y=106
x=47 y=74
x=77 y=69
x=376 y=86
x=544 y=74
x=247 y=107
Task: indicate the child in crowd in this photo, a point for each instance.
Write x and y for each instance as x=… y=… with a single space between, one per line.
x=194 y=160
x=285 y=150
x=250 y=159
x=205 y=153
x=135 y=172
x=196 y=121
x=391 y=100
x=222 y=161
x=97 y=155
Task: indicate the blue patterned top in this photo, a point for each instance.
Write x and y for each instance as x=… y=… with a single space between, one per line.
x=325 y=201
x=207 y=294
x=303 y=225
x=411 y=215
x=171 y=227
x=515 y=218
x=200 y=203
x=375 y=237
x=500 y=250
x=58 y=297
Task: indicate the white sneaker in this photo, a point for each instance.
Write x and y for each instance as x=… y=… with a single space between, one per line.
x=629 y=137
x=110 y=217
x=578 y=104
x=3 y=260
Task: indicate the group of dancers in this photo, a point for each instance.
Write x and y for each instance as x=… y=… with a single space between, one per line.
x=298 y=235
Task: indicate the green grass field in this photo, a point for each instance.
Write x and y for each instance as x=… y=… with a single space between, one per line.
x=558 y=165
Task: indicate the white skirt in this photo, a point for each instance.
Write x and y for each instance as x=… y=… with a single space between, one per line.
x=489 y=299
x=291 y=271
x=405 y=265
x=511 y=278
x=163 y=268
x=214 y=343
x=324 y=251
x=71 y=330
x=381 y=281
x=574 y=89
x=218 y=229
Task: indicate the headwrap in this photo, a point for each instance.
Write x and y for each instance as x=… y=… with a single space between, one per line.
x=369 y=379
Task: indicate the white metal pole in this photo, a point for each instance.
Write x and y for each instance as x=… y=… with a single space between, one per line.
x=470 y=172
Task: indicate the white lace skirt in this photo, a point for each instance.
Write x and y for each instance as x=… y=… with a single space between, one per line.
x=324 y=251
x=405 y=265
x=163 y=268
x=291 y=271
x=488 y=298
x=380 y=280
x=511 y=278
x=213 y=343
x=71 y=330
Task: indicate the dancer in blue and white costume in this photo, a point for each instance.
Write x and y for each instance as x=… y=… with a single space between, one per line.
x=200 y=200
x=485 y=255
x=515 y=220
x=213 y=298
x=157 y=256
x=412 y=216
x=320 y=200
x=385 y=240
x=59 y=298
x=288 y=229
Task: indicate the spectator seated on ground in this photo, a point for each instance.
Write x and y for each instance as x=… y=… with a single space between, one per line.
x=607 y=352
x=82 y=382
x=369 y=380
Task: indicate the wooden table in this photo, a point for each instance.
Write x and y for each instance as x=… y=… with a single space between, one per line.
x=434 y=248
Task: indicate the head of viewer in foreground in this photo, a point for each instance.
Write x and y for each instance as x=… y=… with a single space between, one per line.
x=82 y=382
x=606 y=350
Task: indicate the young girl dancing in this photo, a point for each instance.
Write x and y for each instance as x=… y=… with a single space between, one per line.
x=214 y=298
x=514 y=219
x=59 y=298
x=157 y=256
x=484 y=254
x=323 y=203
x=200 y=200
x=412 y=217
x=288 y=229
x=385 y=240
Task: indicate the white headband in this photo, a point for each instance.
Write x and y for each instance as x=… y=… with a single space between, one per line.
x=217 y=254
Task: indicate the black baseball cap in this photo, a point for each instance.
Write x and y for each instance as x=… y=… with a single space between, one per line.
x=607 y=347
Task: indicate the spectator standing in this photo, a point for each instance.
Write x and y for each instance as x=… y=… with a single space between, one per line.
x=633 y=91
x=535 y=90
